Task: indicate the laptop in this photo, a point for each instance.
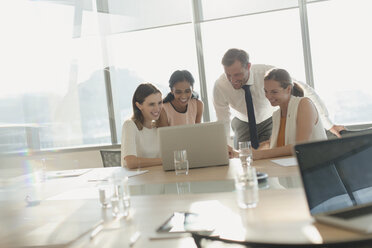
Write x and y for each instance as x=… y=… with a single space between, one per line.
x=205 y=143
x=337 y=178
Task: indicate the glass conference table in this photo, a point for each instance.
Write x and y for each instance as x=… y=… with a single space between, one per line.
x=63 y=212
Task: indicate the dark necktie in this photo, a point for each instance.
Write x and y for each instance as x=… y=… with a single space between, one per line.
x=251 y=117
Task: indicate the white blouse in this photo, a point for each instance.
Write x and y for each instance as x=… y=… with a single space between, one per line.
x=141 y=143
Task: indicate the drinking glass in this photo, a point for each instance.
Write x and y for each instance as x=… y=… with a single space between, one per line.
x=41 y=171
x=245 y=152
x=120 y=200
x=121 y=188
x=181 y=164
x=183 y=188
x=105 y=193
x=38 y=174
x=246 y=186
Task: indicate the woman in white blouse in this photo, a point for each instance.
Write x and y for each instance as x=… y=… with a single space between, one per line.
x=139 y=140
x=297 y=119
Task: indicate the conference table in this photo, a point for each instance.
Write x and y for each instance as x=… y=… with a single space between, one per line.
x=64 y=211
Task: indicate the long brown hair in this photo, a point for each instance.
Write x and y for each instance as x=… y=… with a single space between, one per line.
x=285 y=80
x=143 y=90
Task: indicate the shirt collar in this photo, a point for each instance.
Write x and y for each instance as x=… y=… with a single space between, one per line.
x=251 y=79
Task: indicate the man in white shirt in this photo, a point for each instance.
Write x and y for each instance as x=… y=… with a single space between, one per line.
x=228 y=95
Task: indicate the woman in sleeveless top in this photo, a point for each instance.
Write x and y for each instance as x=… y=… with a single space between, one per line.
x=181 y=106
x=297 y=119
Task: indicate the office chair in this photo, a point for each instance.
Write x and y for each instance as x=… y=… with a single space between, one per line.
x=200 y=238
x=111 y=158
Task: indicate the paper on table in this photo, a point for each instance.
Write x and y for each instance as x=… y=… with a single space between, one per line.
x=66 y=173
x=102 y=174
x=285 y=161
x=89 y=192
x=76 y=194
x=136 y=173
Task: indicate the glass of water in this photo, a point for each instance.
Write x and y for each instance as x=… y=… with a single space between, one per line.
x=183 y=188
x=181 y=164
x=105 y=193
x=246 y=186
x=121 y=188
x=245 y=153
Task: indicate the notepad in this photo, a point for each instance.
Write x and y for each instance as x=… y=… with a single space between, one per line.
x=285 y=161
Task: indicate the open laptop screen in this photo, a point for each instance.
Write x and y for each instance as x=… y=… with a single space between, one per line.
x=336 y=173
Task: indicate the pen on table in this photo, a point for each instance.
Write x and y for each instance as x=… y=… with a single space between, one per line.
x=133 y=239
x=98 y=228
x=172 y=236
x=97 y=180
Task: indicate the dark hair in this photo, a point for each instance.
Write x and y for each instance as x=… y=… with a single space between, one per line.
x=180 y=76
x=143 y=90
x=233 y=55
x=285 y=80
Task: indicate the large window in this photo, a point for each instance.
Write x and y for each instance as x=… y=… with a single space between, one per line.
x=149 y=56
x=55 y=56
x=216 y=9
x=272 y=38
x=52 y=93
x=341 y=38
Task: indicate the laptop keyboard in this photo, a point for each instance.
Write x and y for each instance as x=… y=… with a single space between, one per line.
x=353 y=213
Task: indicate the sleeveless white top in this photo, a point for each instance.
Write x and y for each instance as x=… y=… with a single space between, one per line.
x=318 y=132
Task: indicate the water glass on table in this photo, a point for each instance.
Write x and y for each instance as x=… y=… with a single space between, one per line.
x=121 y=188
x=183 y=188
x=40 y=171
x=120 y=199
x=246 y=186
x=181 y=164
x=245 y=152
x=105 y=193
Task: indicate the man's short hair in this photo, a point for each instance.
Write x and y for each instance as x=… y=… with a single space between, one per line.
x=233 y=55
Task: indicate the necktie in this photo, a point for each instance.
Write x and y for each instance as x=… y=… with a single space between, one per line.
x=251 y=117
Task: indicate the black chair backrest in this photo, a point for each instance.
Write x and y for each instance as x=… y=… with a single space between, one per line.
x=111 y=158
